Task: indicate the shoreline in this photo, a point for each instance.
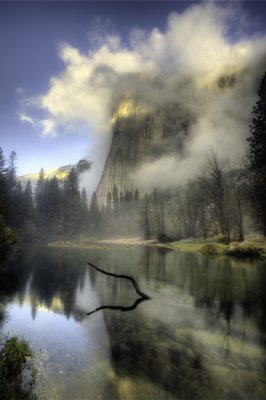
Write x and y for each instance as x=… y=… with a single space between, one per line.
x=252 y=247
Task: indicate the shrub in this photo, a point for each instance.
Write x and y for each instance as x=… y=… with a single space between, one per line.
x=162 y=237
x=17 y=371
x=209 y=249
x=243 y=250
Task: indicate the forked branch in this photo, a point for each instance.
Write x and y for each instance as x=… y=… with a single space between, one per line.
x=121 y=308
x=130 y=278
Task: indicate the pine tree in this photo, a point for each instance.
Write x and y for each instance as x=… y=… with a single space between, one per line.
x=11 y=170
x=257 y=157
x=40 y=200
x=53 y=206
x=18 y=216
x=72 y=203
x=84 y=211
x=28 y=200
x=3 y=187
x=95 y=215
x=84 y=196
x=136 y=197
x=115 y=200
x=2 y=162
x=29 y=212
x=109 y=202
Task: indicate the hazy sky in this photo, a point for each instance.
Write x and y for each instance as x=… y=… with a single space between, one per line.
x=42 y=43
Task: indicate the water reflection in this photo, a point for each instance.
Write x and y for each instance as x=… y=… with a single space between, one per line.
x=202 y=335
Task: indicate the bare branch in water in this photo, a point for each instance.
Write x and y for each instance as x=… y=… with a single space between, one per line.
x=130 y=278
x=121 y=308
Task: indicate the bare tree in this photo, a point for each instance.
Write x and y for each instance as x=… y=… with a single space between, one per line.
x=214 y=180
x=145 y=217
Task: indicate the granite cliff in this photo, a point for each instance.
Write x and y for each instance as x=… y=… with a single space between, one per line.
x=141 y=134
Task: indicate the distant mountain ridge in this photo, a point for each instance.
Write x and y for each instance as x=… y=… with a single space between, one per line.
x=60 y=173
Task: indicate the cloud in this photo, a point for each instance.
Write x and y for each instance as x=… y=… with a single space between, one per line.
x=27 y=119
x=20 y=91
x=200 y=62
x=48 y=128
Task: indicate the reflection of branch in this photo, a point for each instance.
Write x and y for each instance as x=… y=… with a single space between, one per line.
x=121 y=308
x=133 y=281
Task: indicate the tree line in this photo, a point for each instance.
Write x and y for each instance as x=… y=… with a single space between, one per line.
x=52 y=209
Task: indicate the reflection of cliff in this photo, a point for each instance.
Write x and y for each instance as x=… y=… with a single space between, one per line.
x=151 y=351
x=140 y=135
x=180 y=339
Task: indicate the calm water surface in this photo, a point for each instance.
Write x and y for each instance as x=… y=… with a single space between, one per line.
x=202 y=336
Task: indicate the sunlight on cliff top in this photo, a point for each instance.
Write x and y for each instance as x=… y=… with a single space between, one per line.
x=129 y=108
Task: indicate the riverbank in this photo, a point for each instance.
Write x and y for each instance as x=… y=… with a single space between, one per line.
x=253 y=246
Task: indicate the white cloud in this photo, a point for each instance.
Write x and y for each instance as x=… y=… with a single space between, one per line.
x=27 y=119
x=48 y=128
x=183 y=64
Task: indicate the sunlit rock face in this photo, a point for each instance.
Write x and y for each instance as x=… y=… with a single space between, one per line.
x=145 y=131
x=60 y=173
x=141 y=134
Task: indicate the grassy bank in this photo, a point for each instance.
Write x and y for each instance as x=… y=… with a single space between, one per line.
x=253 y=246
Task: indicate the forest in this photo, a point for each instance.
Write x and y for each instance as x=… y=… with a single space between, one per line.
x=224 y=200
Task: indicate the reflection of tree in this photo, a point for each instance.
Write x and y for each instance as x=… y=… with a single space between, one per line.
x=50 y=278
x=55 y=280
x=119 y=308
x=15 y=275
x=261 y=308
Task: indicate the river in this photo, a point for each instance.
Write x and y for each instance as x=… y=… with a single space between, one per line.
x=201 y=336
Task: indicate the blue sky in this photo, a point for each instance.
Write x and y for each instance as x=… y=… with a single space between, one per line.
x=31 y=34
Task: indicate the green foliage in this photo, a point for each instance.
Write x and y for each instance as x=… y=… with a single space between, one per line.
x=17 y=371
x=257 y=158
x=210 y=249
x=257 y=140
x=243 y=250
x=7 y=235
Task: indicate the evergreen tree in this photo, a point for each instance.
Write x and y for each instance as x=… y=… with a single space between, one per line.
x=109 y=202
x=11 y=170
x=257 y=157
x=84 y=211
x=95 y=215
x=29 y=212
x=2 y=162
x=28 y=200
x=136 y=197
x=72 y=203
x=84 y=196
x=18 y=215
x=53 y=206
x=115 y=200
x=3 y=186
x=40 y=200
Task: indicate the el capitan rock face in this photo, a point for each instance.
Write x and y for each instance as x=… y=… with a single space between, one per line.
x=143 y=133
x=140 y=135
